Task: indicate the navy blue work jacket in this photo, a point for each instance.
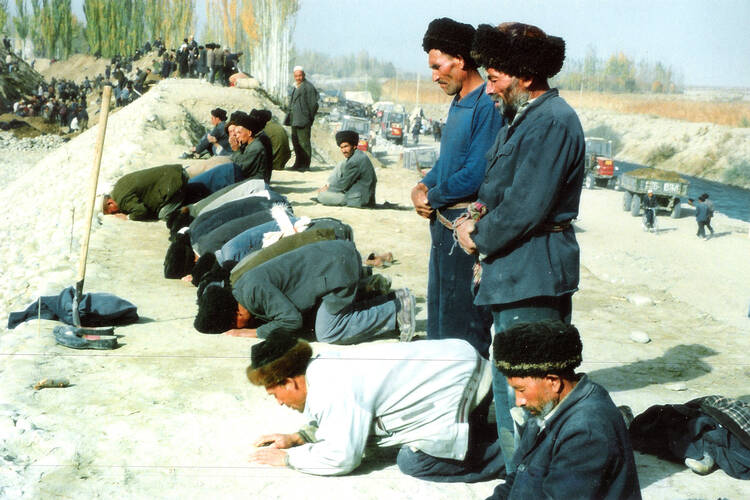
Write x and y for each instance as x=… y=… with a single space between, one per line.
x=533 y=178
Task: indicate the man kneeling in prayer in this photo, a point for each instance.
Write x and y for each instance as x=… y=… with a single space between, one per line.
x=430 y=397
x=575 y=444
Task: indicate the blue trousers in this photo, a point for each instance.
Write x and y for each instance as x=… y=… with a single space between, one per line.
x=451 y=312
x=505 y=316
x=215 y=178
x=359 y=322
x=245 y=242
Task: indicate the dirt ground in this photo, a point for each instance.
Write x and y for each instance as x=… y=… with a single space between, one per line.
x=171 y=414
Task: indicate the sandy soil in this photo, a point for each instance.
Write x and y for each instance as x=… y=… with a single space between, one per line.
x=170 y=413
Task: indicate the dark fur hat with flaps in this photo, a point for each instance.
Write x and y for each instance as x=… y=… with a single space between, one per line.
x=519 y=50
x=537 y=349
x=219 y=113
x=205 y=264
x=216 y=274
x=180 y=258
x=450 y=37
x=279 y=357
x=349 y=136
x=217 y=309
x=177 y=220
x=261 y=114
x=251 y=122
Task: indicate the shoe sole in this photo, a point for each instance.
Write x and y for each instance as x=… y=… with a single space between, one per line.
x=66 y=336
x=406 y=336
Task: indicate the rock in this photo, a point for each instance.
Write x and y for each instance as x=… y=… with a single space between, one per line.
x=640 y=300
x=640 y=337
x=677 y=386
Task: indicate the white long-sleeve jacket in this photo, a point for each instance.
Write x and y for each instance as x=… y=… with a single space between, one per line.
x=417 y=394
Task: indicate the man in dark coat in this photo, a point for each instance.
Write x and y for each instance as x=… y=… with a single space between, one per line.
x=147 y=194
x=353 y=181
x=302 y=109
x=574 y=444
x=521 y=224
x=248 y=161
x=215 y=142
x=310 y=288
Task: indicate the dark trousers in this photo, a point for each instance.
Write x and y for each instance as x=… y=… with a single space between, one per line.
x=701 y=229
x=451 y=313
x=302 y=146
x=483 y=461
x=505 y=316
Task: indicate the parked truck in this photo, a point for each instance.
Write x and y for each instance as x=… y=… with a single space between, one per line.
x=668 y=188
x=600 y=166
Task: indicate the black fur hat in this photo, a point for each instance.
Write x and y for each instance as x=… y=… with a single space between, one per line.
x=214 y=275
x=519 y=50
x=177 y=220
x=279 y=357
x=204 y=265
x=180 y=258
x=451 y=37
x=537 y=349
x=217 y=309
x=249 y=121
x=263 y=115
x=348 y=136
x=219 y=113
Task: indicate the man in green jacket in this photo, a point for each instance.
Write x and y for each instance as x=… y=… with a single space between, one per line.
x=353 y=181
x=146 y=194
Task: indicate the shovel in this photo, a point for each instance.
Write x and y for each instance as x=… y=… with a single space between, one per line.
x=77 y=329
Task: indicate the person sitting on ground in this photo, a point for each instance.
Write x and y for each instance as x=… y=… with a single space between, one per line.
x=248 y=161
x=410 y=395
x=147 y=194
x=353 y=181
x=216 y=142
x=311 y=288
x=575 y=443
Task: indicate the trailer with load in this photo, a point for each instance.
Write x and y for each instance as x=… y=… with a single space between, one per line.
x=668 y=188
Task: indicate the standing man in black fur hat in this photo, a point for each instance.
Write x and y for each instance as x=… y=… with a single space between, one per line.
x=520 y=225
x=575 y=443
x=444 y=193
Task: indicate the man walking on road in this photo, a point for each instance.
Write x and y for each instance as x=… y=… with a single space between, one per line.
x=302 y=109
x=444 y=193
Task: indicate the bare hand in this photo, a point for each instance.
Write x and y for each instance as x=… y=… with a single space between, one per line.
x=188 y=278
x=279 y=441
x=243 y=332
x=464 y=239
x=210 y=138
x=419 y=200
x=121 y=215
x=324 y=188
x=269 y=456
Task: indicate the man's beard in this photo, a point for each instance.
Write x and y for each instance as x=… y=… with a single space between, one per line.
x=545 y=410
x=516 y=97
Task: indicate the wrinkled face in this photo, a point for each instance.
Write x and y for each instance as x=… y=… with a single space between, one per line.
x=538 y=395
x=299 y=76
x=232 y=133
x=243 y=134
x=289 y=394
x=503 y=87
x=446 y=71
x=347 y=149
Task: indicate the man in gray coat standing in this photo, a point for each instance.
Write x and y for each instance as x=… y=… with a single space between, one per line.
x=520 y=226
x=302 y=109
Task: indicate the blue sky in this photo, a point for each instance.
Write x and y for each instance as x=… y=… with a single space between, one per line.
x=706 y=41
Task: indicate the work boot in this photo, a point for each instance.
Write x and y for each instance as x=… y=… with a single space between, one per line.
x=406 y=315
x=702 y=466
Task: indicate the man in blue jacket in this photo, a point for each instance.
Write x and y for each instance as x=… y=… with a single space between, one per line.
x=521 y=225
x=445 y=191
x=574 y=444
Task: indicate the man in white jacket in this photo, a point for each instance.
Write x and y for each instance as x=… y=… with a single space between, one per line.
x=412 y=395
